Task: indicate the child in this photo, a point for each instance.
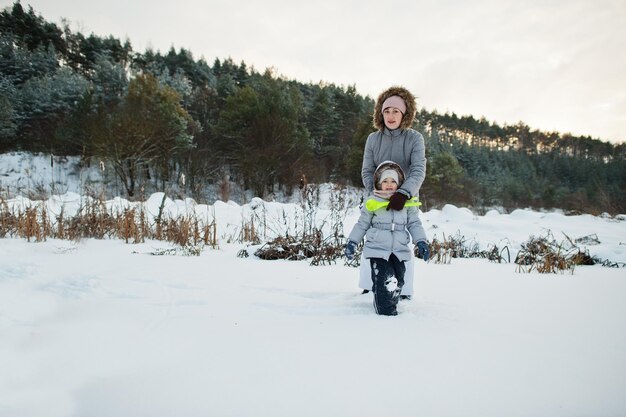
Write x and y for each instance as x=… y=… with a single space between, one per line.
x=387 y=238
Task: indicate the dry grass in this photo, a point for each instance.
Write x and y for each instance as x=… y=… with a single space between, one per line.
x=306 y=241
x=94 y=220
x=189 y=232
x=457 y=246
x=544 y=254
x=547 y=256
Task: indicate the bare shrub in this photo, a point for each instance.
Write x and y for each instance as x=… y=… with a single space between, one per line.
x=495 y=254
x=28 y=225
x=209 y=234
x=8 y=220
x=286 y=247
x=311 y=242
x=92 y=221
x=442 y=252
x=547 y=256
x=327 y=251
x=248 y=232
x=127 y=226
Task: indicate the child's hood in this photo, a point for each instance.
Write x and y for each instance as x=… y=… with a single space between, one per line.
x=385 y=166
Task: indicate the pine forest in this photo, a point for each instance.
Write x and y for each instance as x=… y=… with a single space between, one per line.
x=154 y=116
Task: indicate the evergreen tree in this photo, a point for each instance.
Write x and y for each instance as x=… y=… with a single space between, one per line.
x=261 y=136
x=93 y=47
x=182 y=62
x=20 y=64
x=443 y=179
x=30 y=29
x=148 y=128
x=354 y=156
x=8 y=119
x=109 y=80
x=323 y=125
x=44 y=104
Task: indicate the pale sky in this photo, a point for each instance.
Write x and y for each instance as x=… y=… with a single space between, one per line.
x=553 y=64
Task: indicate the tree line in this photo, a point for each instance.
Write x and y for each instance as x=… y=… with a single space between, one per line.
x=155 y=117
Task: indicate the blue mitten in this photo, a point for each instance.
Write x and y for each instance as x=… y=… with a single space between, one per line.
x=422 y=251
x=350 y=250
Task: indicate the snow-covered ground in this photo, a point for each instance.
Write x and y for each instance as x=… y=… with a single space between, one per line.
x=102 y=328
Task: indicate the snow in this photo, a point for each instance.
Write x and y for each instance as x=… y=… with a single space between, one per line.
x=101 y=328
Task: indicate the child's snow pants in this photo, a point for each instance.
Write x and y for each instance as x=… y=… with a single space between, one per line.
x=387 y=280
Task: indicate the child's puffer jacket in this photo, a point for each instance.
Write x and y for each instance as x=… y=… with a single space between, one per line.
x=388 y=231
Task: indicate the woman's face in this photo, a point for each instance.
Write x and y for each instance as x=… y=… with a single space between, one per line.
x=393 y=117
x=389 y=184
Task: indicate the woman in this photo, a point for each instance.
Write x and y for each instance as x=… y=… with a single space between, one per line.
x=395 y=141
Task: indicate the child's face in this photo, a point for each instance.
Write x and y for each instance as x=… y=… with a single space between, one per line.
x=393 y=117
x=389 y=184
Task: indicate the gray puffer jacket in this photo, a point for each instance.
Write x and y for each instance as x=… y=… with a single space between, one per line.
x=402 y=146
x=388 y=231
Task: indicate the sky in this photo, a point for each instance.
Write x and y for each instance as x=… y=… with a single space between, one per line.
x=556 y=65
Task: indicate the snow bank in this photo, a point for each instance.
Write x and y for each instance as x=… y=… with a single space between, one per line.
x=272 y=219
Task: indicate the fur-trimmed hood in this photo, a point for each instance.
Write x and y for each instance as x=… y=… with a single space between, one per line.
x=409 y=100
x=385 y=166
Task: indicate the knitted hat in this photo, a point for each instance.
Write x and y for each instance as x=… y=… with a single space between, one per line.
x=381 y=173
x=389 y=173
x=394 y=101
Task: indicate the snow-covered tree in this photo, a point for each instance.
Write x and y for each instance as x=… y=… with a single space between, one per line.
x=149 y=127
x=46 y=101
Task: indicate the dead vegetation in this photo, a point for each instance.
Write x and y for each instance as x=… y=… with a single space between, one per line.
x=543 y=254
x=546 y=255
x=307 y=237
x=308 y=240
x=94 y=220
x=457 y=246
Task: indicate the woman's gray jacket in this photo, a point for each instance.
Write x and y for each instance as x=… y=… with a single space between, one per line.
x=388 y=231
x=402 y=146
